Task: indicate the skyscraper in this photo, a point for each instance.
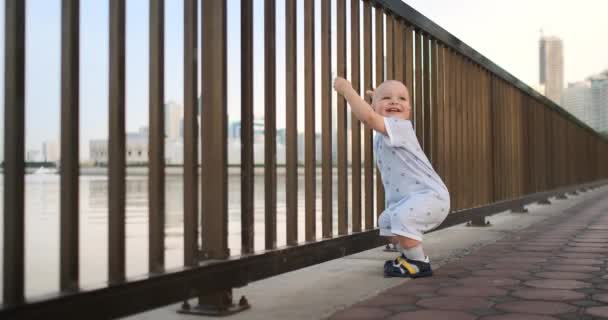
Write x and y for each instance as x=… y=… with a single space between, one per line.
x=174 y=112
x=588 y=100
x=551 y=54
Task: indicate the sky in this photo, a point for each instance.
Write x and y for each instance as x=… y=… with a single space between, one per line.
x=506 y=32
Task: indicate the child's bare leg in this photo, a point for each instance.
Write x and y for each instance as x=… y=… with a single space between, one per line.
x=406 y=242
x=411 y=248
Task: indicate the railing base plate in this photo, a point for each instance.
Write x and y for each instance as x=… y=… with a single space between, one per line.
x=220 y=305
x=479 y=222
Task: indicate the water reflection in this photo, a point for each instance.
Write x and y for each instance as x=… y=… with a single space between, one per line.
x=42 y=225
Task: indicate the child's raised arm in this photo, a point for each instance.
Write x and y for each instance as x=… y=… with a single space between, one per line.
x=362 y=110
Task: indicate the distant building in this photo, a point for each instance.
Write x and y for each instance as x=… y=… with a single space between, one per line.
x=136 y=149
x=599 y=109
x=33 y=156
x=588 y=101
x=551 y=62
x=174 y=113
x=50 y=151
x=577 y=100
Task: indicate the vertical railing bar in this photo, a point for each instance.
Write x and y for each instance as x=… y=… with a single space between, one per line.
x=190 y=133
x=475 y=135
x=214 y=167
x=117 y=147
x=214 y=191
x=409 y=66
x=468 y=142
x=326 y=112
x=380 y=74
x=390 y=75
x=341 y=111
x=69 y=276
x=435 y=129
x=451 y=119
x=309 y=130
x=14 y=143
x=367 y=135
x=399 y=57
x=156 y=184
x=247 y=173
x=355 y=123
x=427 y=95
x=291 y=121
x=440 y=155
x=270 y=128
x=417 y=106
x=459 y=133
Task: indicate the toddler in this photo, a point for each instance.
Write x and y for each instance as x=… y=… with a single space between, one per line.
x=416 y=198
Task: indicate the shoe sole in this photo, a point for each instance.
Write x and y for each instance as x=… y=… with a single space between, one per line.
x=389 y=274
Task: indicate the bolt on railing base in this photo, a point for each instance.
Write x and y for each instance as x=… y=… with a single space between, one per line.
x=479 y=222
x=216 y=305
x=519 y=209
x=544 y=202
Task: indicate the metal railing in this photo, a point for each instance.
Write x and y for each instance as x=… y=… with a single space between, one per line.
x=494 y=141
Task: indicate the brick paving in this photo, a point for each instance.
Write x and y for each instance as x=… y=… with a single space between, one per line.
x=557 y=269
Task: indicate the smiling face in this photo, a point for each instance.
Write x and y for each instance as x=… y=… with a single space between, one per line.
x=392 y=99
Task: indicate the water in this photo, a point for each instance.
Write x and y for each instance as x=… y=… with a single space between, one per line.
x=42 y=225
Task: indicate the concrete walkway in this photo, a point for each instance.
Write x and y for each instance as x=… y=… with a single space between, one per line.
x=550 y=263
x=556 y=269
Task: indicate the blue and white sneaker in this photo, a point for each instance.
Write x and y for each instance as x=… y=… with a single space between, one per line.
x=407 y=268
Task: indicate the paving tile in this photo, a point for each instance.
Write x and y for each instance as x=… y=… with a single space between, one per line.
x=433 y=315
x=484 y=312
x=402 y=308
x=468 y=291
x=521 y=260
x=506 y=273
x=388 y=300
x=536 y=307
x=587 y=245
x=598 y=311
x=455 y=303
x=539 y=249
x=587 y=303
x=564 y=275
x=557 y=284
x=586 y=250
x=512 y=266
x=547 y=294
x=518 y=316
x=574 y=255
x=586 y=262
x=411 y=289
x=362 y=313
x=572 y=268
x=489 y=281
x=602 y=241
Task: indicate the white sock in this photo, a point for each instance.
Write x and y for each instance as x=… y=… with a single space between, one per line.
x=414 y=253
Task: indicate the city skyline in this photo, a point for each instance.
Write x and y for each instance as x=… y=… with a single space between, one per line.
x=496 y=40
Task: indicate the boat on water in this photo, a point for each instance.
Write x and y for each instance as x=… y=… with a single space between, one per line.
x=43 y=170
